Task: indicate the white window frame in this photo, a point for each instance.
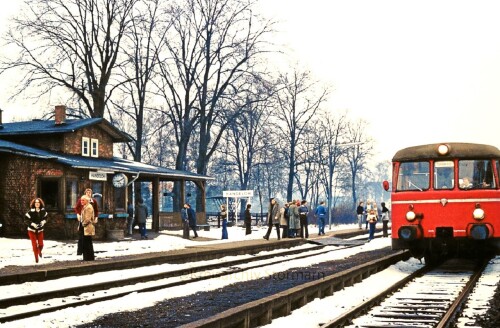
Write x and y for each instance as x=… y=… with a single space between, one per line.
x=85 y=146
x=94 y=147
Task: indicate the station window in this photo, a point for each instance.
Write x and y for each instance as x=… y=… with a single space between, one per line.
x=98 y=190
x=71 y=193
x=94 y=147
x=49 y=192
x=166 y=196
x=413 y=176
x=85 y=146
x=119 y=198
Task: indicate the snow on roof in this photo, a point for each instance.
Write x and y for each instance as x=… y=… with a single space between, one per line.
x=114 y=164
x=39 y=127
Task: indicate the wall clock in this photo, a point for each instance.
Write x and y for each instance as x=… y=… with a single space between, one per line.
x=119 y=180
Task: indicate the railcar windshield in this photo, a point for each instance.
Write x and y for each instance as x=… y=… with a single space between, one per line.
x=413 y=176
x=475 y=174
x=444 y=175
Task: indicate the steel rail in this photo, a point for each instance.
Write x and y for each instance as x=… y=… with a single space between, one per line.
x=456 y=306
x=75 y=291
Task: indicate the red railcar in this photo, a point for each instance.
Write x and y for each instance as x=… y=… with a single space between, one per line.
x=446 y=200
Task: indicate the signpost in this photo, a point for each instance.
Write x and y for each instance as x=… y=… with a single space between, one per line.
x=236 y=194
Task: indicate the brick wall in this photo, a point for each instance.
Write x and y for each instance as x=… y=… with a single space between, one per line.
x=18 y=186
x=73 y=141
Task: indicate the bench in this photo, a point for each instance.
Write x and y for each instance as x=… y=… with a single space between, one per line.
x=205 y=227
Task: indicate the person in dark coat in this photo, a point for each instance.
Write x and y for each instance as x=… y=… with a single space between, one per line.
x=360 y=212
x=185 y=222
x=192 y=219
x=248 y=220
x=385 y=220
x=273 y=218
x=321 y=215
x=35 y=219
x=141 y=214
x=304 y=224
x=223 y=216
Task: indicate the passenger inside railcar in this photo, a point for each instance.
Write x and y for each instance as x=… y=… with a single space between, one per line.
x=481 y=172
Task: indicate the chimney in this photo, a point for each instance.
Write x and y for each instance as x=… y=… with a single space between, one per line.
x=60 y=115
x=1 y=124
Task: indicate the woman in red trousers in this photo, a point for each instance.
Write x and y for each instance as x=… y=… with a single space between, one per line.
x=35 y=219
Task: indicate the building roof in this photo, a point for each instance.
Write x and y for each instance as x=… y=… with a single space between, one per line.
x=113 y=165
x=39 y=127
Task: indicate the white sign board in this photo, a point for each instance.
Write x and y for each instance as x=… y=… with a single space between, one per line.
x=237 y=193
x=99 y=176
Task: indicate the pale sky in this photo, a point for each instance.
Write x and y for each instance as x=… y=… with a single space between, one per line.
x=419 y=71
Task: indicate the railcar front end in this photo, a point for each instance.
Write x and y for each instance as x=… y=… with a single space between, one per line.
x=446 y=200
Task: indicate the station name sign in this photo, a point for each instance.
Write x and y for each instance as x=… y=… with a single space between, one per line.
x=237 y=193
x=99 y=176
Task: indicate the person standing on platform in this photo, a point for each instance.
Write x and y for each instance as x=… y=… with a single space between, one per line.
x=284 y=218
x=192 y=219
x=294 y=221
x=248 y=220
x=35 y=219
x=385 y=220
x=321 y=215
x=303 y=211
x=273 y=218
x=87 y=225
x=223 y=216
x=141 y=214
x=360 y=212
x=372 y=221
x=78 y=211
x=185 y=222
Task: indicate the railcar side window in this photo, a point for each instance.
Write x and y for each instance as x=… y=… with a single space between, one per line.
x=475 y=174
x=444 y=173
x=413 y=176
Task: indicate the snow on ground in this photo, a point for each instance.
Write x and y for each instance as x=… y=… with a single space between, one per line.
x=324 y=310
x=18 y=251
x=59 y=251
x=75 y=316
x=477 y=304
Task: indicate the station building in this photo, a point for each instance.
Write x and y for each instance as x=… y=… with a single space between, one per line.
x=58 y=159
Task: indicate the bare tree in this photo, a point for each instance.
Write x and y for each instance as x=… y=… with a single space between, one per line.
x=69 y=44
x=298 y=100
x=212 y=69
x=141 y=52
x=331 y=133
x=358 y=154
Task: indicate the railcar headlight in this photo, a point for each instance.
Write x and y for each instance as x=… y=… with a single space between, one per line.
x=479 y=232
x=410 y=216
x=408 y=233
x=478 y=212
x=443 y=149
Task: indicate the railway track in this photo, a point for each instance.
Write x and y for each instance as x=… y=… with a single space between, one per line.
x=428 y=298
x=14 y=305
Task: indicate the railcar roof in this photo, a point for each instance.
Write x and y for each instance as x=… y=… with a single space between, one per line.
x=457 y=150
